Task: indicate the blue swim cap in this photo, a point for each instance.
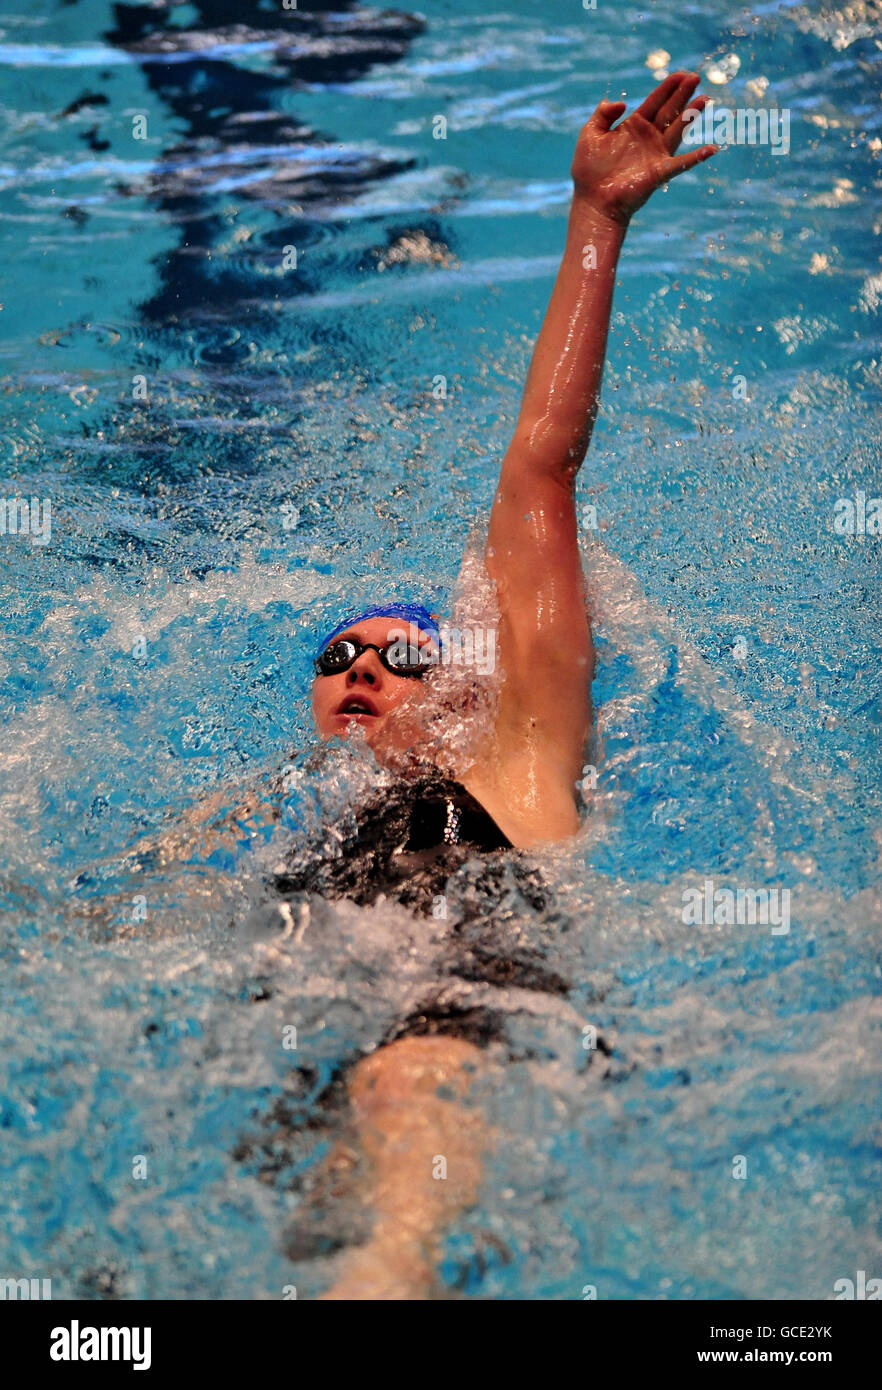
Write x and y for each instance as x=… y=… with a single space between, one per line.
x=408 y=612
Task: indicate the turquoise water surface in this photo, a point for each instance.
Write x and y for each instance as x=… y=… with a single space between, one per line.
x=236 y=262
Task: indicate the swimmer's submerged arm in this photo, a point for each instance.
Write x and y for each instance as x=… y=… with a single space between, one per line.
x=225 y=821
x=532 y=548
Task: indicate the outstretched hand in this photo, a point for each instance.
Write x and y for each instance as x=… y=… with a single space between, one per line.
x=617 y=170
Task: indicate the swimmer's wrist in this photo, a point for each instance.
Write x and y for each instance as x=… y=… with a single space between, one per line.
x=589 y=206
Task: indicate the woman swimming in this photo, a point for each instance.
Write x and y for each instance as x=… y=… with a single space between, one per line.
x=409 y=1098
x=517 y=787
x=526 y=779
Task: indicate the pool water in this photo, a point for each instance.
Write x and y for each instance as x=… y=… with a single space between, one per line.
x=263 y=343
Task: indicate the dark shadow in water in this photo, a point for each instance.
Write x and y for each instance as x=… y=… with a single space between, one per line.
x=234 y=143
x=235 y=151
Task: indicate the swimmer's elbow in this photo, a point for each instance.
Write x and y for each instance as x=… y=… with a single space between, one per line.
x=541 y=449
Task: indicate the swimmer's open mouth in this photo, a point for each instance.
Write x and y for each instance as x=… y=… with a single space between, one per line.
x=357 y=704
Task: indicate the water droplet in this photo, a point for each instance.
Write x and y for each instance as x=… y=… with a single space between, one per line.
x=722 y=70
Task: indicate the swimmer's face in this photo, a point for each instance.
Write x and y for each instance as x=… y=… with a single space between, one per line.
x=367 y=693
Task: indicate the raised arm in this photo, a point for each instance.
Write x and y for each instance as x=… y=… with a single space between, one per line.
x=532 y=546
x=614 y=172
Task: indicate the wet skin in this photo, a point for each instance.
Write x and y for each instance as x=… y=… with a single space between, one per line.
x=369 y=684
x=526 y=776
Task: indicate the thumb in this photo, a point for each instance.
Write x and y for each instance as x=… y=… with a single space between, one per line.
x=606 y=113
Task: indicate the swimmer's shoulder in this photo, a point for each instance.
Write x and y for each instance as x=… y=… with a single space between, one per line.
x=532 y=805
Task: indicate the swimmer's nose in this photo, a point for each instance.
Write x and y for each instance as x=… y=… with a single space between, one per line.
x=366 y=667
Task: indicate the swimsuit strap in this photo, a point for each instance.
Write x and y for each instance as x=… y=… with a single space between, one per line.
x=443 y=812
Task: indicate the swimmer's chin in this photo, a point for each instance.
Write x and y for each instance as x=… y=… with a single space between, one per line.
x=367 y=726
x=342 y=725
x=391 y=743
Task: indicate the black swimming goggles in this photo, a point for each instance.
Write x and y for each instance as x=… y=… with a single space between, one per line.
x=399 y=657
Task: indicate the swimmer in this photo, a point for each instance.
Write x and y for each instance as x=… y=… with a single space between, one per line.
x=527 y=777
x=522 y=791
x=409 y=1099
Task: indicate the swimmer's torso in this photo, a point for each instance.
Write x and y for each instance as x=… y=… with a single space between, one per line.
x=406 y=841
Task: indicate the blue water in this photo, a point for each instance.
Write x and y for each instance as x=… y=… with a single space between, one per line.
x=233 y=450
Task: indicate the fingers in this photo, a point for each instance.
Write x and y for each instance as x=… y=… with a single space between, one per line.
x=670 y=109
x=606 y=113
x=682 y=162
x=674 y=133
x=656 y=99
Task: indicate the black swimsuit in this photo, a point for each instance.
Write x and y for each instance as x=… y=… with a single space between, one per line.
x=428 y=844
x=406 y=842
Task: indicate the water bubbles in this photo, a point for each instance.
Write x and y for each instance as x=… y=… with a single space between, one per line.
x=722 y=70
x=657 y=62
